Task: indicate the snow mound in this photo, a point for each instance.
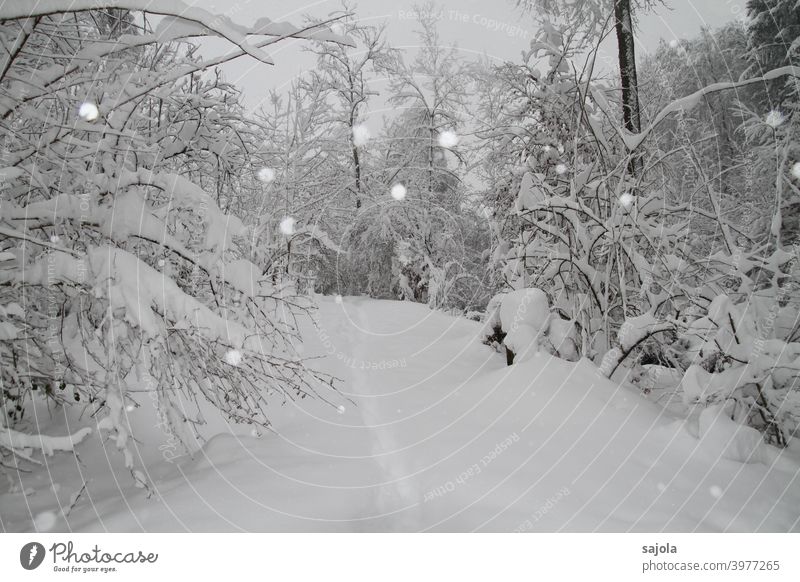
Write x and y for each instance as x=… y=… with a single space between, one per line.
x=721 y=437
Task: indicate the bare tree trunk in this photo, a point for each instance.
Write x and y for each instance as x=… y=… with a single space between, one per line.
x=356 y=158
x=627 y=71
x=357 y=167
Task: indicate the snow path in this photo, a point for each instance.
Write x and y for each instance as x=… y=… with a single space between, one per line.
x=385 y=444
x=433 y=432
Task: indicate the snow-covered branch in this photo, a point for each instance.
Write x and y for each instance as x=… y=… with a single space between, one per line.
x=632 y=141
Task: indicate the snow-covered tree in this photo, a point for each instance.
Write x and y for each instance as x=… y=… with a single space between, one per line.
x=422 y=158
x=347 y=79
x=590 y=20
x=119 y=274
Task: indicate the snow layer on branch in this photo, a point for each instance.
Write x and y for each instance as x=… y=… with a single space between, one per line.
x=243 y=276
x=702 y=386
x=633 y=140
x=732 y=329
x=635 y=329
x=220 y=227
x=129 y=214
x=696 y=381
x=13 y=173
x=316 y=233
x=531 y=193
x=17 y=441
x=143 y=292
x=8 y=331
x=195 y=21
x=216 y=24
x=139 y=288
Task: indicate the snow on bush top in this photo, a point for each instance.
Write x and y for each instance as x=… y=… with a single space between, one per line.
x=531 y=192
x=524 y=316
x=635 y=329
x=524 y=307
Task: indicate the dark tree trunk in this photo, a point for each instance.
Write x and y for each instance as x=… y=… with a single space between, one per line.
x=623 y=21
x=354 y=148
x=357 y=166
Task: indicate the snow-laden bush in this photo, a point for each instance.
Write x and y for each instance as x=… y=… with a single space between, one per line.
x=732 y=355
x=633 y=241
x=522 y=323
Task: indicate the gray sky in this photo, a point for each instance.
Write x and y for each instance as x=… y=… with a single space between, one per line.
x=494 y=27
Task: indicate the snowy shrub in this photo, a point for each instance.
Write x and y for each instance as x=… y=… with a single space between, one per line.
x=633 y=235
x=731 y=355
x=584 y=231
x=522 y=323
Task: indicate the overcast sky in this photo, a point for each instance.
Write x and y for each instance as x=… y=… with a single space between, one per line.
x=496 y=28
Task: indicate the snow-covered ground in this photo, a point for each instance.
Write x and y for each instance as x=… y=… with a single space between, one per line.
x=430 y=431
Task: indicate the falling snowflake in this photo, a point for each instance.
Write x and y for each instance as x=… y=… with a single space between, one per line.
x=626 y=200
x=88 y=111
x=774 y=118
x=796 y=170
x=398 y=192
x=161 y=262
x=716 y=492
x=547 y=148
x=341 y=409
x=266 y=175
x=360 y=135
x=661 y=487
x=338 y=28
x=130 y=408
x=233 y=357
x=255 y=433
x=561 y=169
x=287 y=225
x=54 y=238
x=448 y=139
x=338 y=299
x=673 y=43
x=45 y=521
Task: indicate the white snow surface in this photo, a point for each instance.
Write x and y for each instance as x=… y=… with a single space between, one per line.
x=430 y=431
